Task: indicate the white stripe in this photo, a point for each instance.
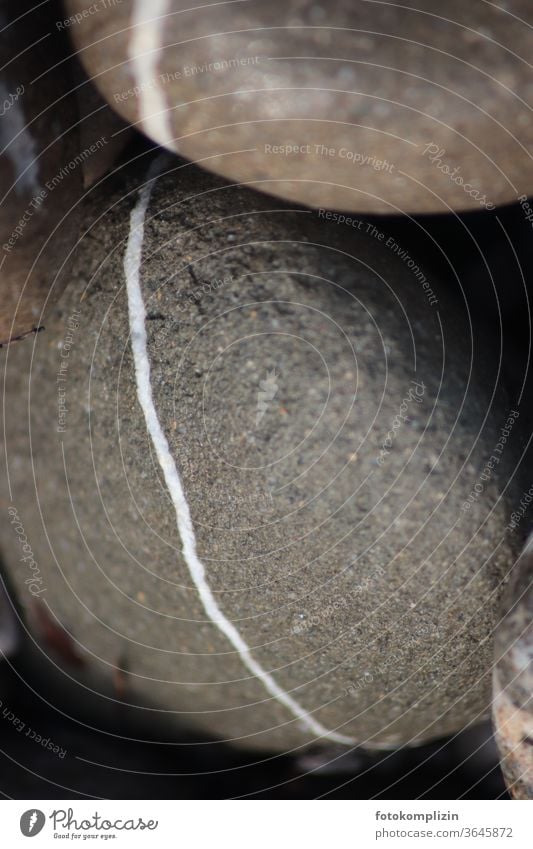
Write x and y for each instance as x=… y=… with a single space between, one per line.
x=137 y=316
x=147 y=21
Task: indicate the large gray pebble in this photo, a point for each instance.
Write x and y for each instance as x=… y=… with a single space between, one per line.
x=330 y=416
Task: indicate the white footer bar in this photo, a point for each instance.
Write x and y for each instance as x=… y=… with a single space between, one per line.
x=255 y=824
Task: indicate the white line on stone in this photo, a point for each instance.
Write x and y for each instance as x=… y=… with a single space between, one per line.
x=144 y=50
x=137 y=317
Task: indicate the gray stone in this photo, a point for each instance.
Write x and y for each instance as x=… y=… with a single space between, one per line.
x=331 y=420
x=349 y=105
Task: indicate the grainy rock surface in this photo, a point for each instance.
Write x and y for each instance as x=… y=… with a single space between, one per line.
x=329 y=415
x=354 y=105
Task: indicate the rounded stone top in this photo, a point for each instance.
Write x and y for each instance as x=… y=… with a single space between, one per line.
x=358 y=106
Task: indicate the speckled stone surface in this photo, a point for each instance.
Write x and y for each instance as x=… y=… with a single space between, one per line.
x=375 y=107
x=329 y=416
